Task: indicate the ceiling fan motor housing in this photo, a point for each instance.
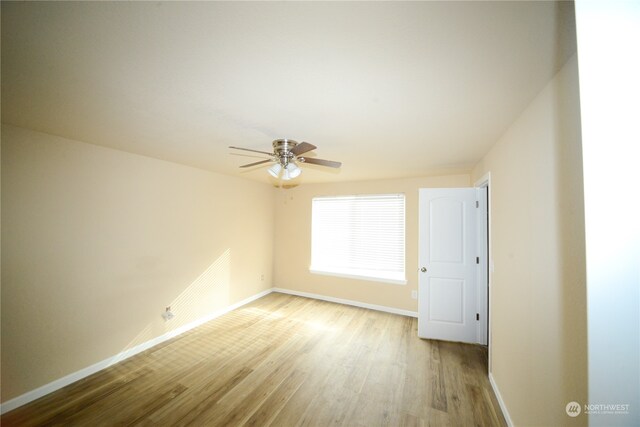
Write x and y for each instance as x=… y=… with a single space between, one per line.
x=282 y=149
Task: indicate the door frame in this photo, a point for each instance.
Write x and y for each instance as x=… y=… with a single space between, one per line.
x=485 y=275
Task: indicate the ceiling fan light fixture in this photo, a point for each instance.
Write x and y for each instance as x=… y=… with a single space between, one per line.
x=275 y=170
x=287 y=174
x=292 y=170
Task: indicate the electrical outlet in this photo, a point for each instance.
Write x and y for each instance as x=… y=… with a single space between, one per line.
x=414 y=294
x=262 y=277
x=168 y=314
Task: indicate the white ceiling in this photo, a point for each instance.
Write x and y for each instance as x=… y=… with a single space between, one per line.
x=391 y=89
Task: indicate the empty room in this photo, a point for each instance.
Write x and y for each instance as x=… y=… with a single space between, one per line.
x=320 y=213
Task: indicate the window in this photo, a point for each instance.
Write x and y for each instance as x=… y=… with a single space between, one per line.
x=359 y=236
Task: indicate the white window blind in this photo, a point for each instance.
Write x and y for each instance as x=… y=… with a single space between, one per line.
x=359 y=236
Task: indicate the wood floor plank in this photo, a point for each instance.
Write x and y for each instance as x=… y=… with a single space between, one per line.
x=189 y=414
x=284 y=361
x=117 y=409
x=438 y=396
x=302 y=401
x=240 y=403
x=418 y=377
x=58 y=407
x=276 y=401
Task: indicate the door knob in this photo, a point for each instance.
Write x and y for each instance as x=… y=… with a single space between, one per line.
x=423 y=269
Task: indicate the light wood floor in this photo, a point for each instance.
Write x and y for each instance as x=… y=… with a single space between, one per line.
x=284 y=361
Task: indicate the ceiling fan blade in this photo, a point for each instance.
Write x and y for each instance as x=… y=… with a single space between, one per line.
x=255 y=151
x=303 y=147
x=323 y=162
x=252 y=156
x=255 y=163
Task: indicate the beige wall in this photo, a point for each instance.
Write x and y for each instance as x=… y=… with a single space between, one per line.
x=538 y=300
x=96 y=242
x=293 y=241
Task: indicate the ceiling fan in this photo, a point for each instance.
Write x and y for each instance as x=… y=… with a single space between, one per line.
x=287 y=155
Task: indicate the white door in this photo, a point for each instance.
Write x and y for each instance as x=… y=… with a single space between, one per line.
x=447 y=303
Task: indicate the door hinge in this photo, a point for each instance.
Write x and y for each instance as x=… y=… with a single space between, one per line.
x=477 y=260
x=477 y=316
x=477 y=204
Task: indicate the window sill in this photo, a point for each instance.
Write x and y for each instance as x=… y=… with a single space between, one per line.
x=358 y=276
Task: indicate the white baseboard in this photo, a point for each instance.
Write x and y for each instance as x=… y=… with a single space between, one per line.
x=85 y=372
x=348 y=302
x=494 y=386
